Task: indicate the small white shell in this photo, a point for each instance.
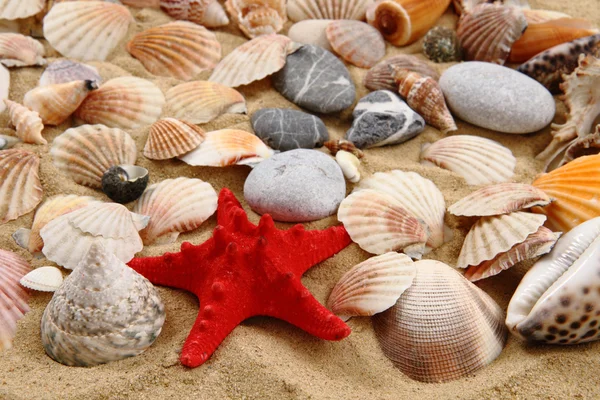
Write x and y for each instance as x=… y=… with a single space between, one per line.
x=349 y=164
x=43 y=279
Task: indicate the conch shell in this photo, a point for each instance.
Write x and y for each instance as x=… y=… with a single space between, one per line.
x=27 y=123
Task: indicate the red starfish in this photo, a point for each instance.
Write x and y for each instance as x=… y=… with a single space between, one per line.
x=246 y=270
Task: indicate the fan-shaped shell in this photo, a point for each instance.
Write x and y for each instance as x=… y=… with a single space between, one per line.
x=380 y=77
x=20 y=187
x=208 y=13
x=311 y=31
x=85 y=153
x=43 y=279
x=257 y=17
x=27 y=123
x=299 y=10
x=16 y=9
x=356 y=42
x=170 y=137
x=442 y=327
x=478 y=160
x=17 y=50
x=86 y=30
x=64 y=71
x=178 y=49
x=13 y=298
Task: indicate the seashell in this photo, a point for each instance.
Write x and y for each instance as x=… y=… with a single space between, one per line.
x=178 y=49
x=380 y=77
x=497 y=234
x=126 y=102
x=540 y=37
x=86 y=30
x=208 y=13
x=585 y=146
x=13 y=305
x=228 y=147
x=110 y=224
x=113 y=313
x=349 y=164
x=254 y=60
x=20 y=187
x=4 y=87
x=402 y=22
x=540 y=16
x=124 y=183
x=175 y=206
x=489 y=32
x=557 y=299
x=17 y=50
x=356 y=42
x=6 y=142
x=442 y=327
x=43 y=279
x=466 y=6
x=502 y=198
x=299 y=10
x=170 y=137
x=536 y=244
x=257 y=17
x=85 y=153
x=311 y=31
x=441 y=45
x=64 y=71
x=202 y=101
x=56 y=103
x=27 y=123
x=478 y=160
x=142 y=3
x=334 y=146
x=379 y=224
x=423 y=94
x=372 y=286
x=16 y=9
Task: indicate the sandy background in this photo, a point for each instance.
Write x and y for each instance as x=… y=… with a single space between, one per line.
x=267 y=358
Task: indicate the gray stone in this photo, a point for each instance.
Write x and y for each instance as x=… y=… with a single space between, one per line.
x=382 y=118
x=315 y=79
x=497 y=98
x=284 y=130
x=296 y=186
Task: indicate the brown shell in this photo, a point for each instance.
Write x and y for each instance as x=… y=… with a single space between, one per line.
x=20 y=187
x=257 y=17
x=380 y=76
x=170 y=137
x=336 y=145
x=356 y=42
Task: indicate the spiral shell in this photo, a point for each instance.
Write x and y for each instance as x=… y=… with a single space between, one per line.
x=299 y=10
x=14 y=298
x=170 y=137
x=208 y=13
x=27 y=123
x=20 y=187
x=17 y=50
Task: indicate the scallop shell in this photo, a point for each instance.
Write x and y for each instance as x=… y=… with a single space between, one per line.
x=178 y=49
x=349 y=164
x=441 y=45
x=68 y=238
x=170 y=137
x=466 y=6
x=335 y=146
x=502 y=198
x=202 y=101
x=86 y=30
x=43 y=279
x=20 y=187
x=175 y=206
x=16 y=9
x=254 y=60
x=478 y=160
x=85 y=153
x=380 y=76
x=228 y=147
x=379 y=224
x=372 y=286
x=356 y=42
x=208 y=13
x=257 y=17
x=27 y=123
x=299 y=10
x=113 y=313
x=64 y=71
x=442 y=327
x=311 y=31
x=585 y=146
x=17 y=50
x=126 y=102
x=13 y=298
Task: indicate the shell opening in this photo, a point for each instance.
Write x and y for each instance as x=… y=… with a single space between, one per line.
x=132 y=173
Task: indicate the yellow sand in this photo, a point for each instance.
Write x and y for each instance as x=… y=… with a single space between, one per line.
x=265 y=358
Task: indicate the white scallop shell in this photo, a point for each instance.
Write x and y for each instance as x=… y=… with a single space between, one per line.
x=17 y=50
x=4 y=86
x=13 y=298
x=299 y=10
x=16 y=9
x=20 y=186
x=43 y=279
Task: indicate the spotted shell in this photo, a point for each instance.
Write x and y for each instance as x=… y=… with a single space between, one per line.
x=208 y=13
x=27 y=123
x=170 y=137
x=20 y=187
x=14 y=298
x=380 y=76
x=17 y=50
x=257 y=17
x=64 y=71
x=356 y=42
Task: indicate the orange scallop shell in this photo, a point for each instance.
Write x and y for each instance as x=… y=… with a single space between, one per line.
x=170 y=137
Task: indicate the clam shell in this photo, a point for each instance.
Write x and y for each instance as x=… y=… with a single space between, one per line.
x=202 y=101
x=16 y=9
x=178 y=49
x=64 y=71
x=86 y=30
x=380 y=76
x=349 y=164
x=43 y=279
x=299 y=10
x=85 y=153
x=127 y=102
x=113 y=313
x=478 y=160
x=170 y=137
x=20 y=187
x=17 y=50
x=208 y=13
x=356 y=42
x=13 y=298
x=311 y=31
x=442 y=327
x=27 y=123
x=257 y=17
x=175 y=206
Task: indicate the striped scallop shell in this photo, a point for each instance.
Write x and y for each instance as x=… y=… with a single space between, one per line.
x=86 y=30
x=202 y=101
x=208 y=13
x=441 y=328
x=299 y=10
x=20 y=187
x=13 y=298
x=257 y=17
x=380 y=77
x=178 y=49
x=64 y=71
x=356 y=42
x=17 y=9
x=17 y=50
x=43 y=279
x=27 y=123
x=126 y=102
x=170 y=137
x=478 y=160
x=85 y=153
x=175 y=206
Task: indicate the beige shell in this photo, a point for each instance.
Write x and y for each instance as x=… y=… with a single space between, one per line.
x=299 y=10
x=311 y=31
x=379 y=224
x=380 y=77
x=202 y=101
x=372 y=286
x=178 y=49
x=43 y=279
x=27 y=123
x=16 y=9
x=175 y=206
x=4 y=86
x=13 y=298
x=17 y=50
x=442 y=328
x=113 y=313
x=208 y=13
x=349 y=164
x=20 y=187
x=64 y=71
x=356 y=42
x=126 y=102
x=257 y=17
x=170 y=137
x=85 y=153
x=478 y=160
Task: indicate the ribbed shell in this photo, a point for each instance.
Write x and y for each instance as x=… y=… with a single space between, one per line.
x=16 y=9
x=178 y=49
x=64 y=71
x=356 y=42
x=13 y=298
x=478 y=160
x=43 y=279
x=257 y=17
x=20 y=187
x=442 y=328
x=85 y=153
x=380 y=76
x=17 y=50
x=208 y=13
x=466 y=6
x=170 y=137
x=27 y=123
x=299 y=10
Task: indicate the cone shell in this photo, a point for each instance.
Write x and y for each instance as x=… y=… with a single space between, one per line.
x=372 y=286
x=349 y=164
x=43 y=279
x=27 y=123
x=64 y=71
x=380 y=77
x=85 y=153
x=170 y=137
x=16 y=9
x=202 y=101
x=17 y=50
x=86 y=30
x=178 y=49
x=208 y=13
x=20 y=187
x=299 y=10
x=356 y=42
x=479 y=161
x=127 y=102
x=257 y=17
x=311 y=31
x=13 y=298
